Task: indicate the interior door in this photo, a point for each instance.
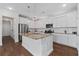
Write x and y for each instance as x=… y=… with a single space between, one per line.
x=6 y=28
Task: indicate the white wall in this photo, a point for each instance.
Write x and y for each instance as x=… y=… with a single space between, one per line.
x=13 y=15
x=78 y=28
x=78 y=19
x=0 y=30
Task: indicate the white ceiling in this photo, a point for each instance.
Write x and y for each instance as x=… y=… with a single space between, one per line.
x=40 y=9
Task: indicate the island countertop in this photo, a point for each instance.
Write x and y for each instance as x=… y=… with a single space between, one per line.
x=35 y=35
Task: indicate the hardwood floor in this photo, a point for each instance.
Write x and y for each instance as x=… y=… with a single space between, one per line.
x=62 y=50
x=10 y=48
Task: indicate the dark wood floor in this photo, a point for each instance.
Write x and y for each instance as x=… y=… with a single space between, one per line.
x=10 y=48
x=63 y=50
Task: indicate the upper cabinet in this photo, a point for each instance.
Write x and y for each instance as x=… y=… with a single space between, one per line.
x=67 y=20
x=71 y=20
x=59 y=21
x=43 y=21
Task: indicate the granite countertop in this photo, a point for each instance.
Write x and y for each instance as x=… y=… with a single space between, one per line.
x=35 y=35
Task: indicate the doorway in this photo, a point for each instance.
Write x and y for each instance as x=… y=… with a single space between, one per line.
x=7 y=27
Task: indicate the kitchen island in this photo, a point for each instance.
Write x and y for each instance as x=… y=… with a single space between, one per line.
x=38 y=44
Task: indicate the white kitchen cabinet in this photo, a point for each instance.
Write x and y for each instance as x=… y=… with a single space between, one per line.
x=66 y=39
x=60 y=38
x=66 y=20
x=71 y=19
x=72 y=40
x=59 y=21
x=38 y=47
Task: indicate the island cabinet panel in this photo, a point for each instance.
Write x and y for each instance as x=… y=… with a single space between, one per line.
x=66 y=39
x=32 y=45
x=38 y=47
x=47 y=45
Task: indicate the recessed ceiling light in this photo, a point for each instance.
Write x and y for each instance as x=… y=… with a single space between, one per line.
x=10 y=8
x=64 y=5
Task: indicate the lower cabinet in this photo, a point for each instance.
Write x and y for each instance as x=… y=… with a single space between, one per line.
x=69 y=40
x=72 y=41
x=62 y=39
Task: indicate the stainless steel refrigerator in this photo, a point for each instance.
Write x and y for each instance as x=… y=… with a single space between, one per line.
x=22 y=28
